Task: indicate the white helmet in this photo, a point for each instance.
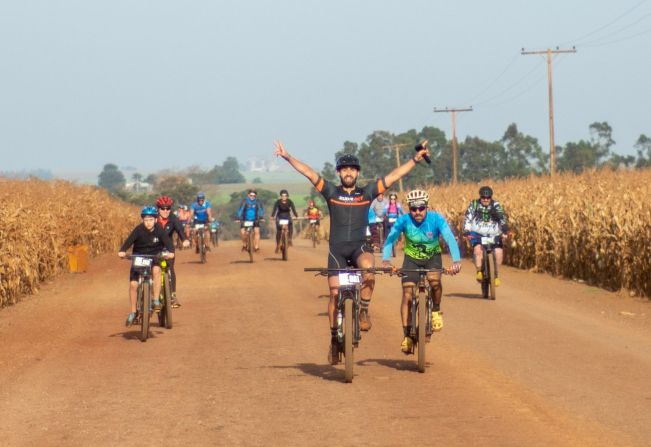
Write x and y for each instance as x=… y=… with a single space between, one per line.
x=417 y=196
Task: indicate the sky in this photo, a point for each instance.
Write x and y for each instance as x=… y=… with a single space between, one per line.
x=159 y=84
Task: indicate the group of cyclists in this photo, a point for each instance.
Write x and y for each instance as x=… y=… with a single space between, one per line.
x=350 y=207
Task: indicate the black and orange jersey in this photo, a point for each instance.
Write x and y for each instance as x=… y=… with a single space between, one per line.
x=349 y=211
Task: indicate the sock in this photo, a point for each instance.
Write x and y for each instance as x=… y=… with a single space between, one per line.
x=406 y=330
x=436 y=307
x=333 y=333
x=364 y=305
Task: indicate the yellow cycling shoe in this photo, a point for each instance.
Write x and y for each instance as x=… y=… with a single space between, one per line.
x=480 y=276
x=497 y=282
x=407 y=345
x=437 y=321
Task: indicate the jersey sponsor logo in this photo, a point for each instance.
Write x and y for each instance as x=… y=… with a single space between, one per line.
x=155 y=240
x=429 y=234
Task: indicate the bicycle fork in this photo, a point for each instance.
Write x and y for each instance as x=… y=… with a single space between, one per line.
x=348 y=293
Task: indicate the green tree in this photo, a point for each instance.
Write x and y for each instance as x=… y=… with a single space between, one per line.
x=643 y=146
x=587 y=154
x=523 y=155
x=111 y=178
x=480 y=159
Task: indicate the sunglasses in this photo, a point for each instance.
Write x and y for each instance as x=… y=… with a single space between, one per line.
x=417 y=208
x=485 y=197
x=165 y=208
x=251 y=195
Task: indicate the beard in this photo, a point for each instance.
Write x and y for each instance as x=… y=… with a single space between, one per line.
x=348 y=181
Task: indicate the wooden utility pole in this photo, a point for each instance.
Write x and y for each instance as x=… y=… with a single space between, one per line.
x=397 y=149
x=453 y=111
x=552 y=147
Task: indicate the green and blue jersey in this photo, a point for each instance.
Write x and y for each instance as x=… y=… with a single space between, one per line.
x=422 y=239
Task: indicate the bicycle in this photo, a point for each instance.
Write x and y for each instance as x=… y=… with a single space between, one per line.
x=284 y=237
x=488 y=245
x=142 y=265
x=201 y=242
x=348 y=308
x=314 y=232
x=165 y=313
x=214 y=233
x=420 y=323
x=248 y=227
x=390 y=222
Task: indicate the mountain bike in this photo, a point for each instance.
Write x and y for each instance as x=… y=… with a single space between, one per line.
x=214 y=233
x=379 y=225
x=390 y=222
x=284 y=237
x=199 y=229
x=348 y=307
x=314 y=232
x=248 y=227
x=142 y=265
x=165 y=313
x=420 y=312
x=488 y=245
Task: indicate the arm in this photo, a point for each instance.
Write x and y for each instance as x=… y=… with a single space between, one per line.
x=291 y=204
x=129 y=242
x=178 y=228
x=209 y=211
x=402 y=170
x=448 y=236
x=500 y=216
x=467 y=221
x=392 y=238
x=301 y=167
x=167 y=242
x=240 y=211
x=274 y=211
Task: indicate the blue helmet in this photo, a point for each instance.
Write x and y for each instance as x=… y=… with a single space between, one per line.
x=200 y=196
x=149 y=211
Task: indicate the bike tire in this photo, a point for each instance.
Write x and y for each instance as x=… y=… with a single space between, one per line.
x=217 y=239
x=422 y=330
x=284 y=247
x=348 y=339
x=202 y=248
x=491 y=280
x=314 y=236
x=250 y=245
x=167 y=312
x=146 y=302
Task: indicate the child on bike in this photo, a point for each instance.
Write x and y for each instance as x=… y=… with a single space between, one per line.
x=422 y=229
x=147 y=238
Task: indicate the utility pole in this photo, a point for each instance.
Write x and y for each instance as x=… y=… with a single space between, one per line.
x=397 y=149
x=552 y=147
x=453 y=111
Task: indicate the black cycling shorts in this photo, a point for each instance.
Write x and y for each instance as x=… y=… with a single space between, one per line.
x=435 y=262
x=345 y=254
x=256 y=224
x=133 y=273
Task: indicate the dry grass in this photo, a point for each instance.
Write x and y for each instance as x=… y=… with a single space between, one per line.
x=39 y=220
x=594 y=227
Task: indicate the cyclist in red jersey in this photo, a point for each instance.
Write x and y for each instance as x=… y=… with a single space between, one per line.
x=348 y=205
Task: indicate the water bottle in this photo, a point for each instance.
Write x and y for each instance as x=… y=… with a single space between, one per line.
x=340 y=325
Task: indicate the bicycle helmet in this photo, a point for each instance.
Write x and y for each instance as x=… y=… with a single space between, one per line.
x=164 y=201
x=201 y=196
x=485 y=191
x=417 y=196
x=149 y=211
x=283 y=191
x=393 y=196
x=348 y=160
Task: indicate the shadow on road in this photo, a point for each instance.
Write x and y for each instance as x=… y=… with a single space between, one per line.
x=325 y=372
x=241 y=261
x=409 y=364
x=273 y=259
x=473 y=296
x=135 y=335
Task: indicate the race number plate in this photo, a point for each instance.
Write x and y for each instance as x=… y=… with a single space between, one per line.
x=198 y=226
x=312 y=220
x=283 y=221
x=248 y=223
x=392 y=219
x=142 y=262
x=379 y=220
x=487 y=240
x=349 y=279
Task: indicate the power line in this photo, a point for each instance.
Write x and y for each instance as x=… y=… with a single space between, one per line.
x=510 y=87
x=497 y=78
x=601 y=44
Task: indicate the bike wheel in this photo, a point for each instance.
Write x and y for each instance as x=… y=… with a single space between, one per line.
x=284 y=247
x=250 y=245
x=217 y=239
x=167 y=312
x=202 y=248
x=491 y=278
x=146 y=302
x=485 y=282
x=314 y=236
x=348 y=339
x=422 y=330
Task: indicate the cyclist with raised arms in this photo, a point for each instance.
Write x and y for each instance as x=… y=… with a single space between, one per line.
x=422 y=229
x=171 y=224
x=348 y=205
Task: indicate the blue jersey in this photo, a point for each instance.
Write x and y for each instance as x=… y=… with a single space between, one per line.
x=422 y=240
x=250 y=210
x=201 y=211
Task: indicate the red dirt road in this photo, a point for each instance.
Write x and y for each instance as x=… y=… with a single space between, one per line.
x=551 y=362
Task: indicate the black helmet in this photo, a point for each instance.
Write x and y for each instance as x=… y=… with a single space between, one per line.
x=283 y=191
x=485 y=191
x=348 y=160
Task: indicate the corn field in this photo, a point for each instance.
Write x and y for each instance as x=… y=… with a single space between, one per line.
x=40 y=220
x=594 y=227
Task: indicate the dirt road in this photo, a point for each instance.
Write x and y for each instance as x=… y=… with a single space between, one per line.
x=551 y=362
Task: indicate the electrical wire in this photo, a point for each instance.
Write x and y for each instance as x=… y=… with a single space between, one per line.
x=491 y=83
x=512 y=86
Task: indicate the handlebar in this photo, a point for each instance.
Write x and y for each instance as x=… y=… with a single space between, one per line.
x=324 y=271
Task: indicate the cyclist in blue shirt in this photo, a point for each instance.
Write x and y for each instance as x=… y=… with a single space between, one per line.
x=422 y=229
x=249 y=214
x=200 y=213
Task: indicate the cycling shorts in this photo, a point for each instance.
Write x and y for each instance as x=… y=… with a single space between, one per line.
x=134 y=274
x=256 y=223
x=434 y=262
x=475 y=239
x=345 y=254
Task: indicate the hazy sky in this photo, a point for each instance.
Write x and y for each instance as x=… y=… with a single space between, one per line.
x=162 y=83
